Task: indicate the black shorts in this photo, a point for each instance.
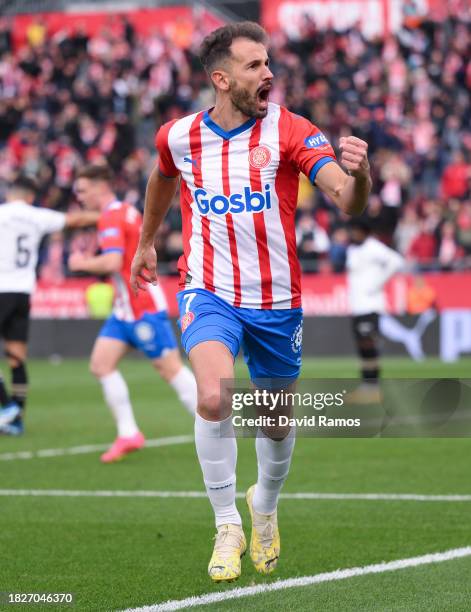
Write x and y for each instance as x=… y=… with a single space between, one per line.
x=365 y=326
x=14 y=316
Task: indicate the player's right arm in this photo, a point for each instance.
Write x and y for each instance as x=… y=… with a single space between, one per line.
x=161 y=188
x=159 y=194
x=81 y=218
x=50 y=221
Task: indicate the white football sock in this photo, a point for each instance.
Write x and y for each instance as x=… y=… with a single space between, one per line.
x=116 y=395
x=217 y=455
x=273 y=459
x=184 y=384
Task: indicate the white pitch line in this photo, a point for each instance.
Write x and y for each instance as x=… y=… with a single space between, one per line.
x=341 y=574
x=380 y=497
x=202 y=495
x=89 y=448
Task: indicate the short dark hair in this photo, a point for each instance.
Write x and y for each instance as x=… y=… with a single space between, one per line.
x=96 y=172
x=25 y=183
x=215 y=48
x=362 y=224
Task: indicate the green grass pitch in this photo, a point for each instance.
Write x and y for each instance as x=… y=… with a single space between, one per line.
x=115 y=553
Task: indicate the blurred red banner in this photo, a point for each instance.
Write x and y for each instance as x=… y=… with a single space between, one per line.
x=323 y=294
x=374 y=17
x=176 y=22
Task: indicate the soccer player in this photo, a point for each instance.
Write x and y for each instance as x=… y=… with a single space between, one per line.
x=238 y=165
x=370 y=264
x=139 y=322
x=22 y=227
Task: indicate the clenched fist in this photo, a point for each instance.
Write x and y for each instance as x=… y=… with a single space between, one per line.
x=354 y=155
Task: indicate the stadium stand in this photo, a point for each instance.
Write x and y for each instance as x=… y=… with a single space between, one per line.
x=73 y=97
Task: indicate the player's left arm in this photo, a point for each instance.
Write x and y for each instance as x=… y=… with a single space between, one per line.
x=51 y=221
x=106 y=263
x=393 y=262
x=348 y=191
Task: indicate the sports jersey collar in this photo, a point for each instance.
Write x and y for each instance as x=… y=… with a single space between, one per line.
x=214 y=127
x=108 y=206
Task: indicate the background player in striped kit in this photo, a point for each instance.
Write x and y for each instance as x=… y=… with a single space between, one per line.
x=137 y=321
x=239 y=164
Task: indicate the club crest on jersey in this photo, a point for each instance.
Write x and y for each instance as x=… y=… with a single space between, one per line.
x=316 y=141
x=187 y=319
x=259 y=157
x=145 y=332
x=248 y=201
x=297 y=338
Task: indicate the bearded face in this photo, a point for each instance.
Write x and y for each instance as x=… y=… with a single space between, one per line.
x=244 y=79
x=250 y=103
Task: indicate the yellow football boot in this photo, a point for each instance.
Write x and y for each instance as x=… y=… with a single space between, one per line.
x=229 y=547
x=365 y=394
x=265 y=539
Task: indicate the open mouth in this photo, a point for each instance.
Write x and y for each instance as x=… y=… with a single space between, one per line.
x=263 y=93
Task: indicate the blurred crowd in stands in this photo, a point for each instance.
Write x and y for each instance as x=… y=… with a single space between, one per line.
x=68 y=99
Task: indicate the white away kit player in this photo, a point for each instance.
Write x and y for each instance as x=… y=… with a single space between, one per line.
x=22 y=227
x=370 y=264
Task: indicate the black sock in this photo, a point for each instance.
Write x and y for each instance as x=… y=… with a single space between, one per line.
x=4 y=397
x=370 y=375
x=19 y=385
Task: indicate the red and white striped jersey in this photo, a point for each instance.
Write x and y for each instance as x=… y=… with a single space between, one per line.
x=119 y=229
x=238 y=200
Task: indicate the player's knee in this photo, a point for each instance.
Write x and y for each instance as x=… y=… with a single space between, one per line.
x=210 y=405
x=168 y=366
x=277 y=434
x=14 y=361
x=94 y=368
x=98 y=368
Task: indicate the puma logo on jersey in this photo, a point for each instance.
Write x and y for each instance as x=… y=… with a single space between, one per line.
x=193 y=162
